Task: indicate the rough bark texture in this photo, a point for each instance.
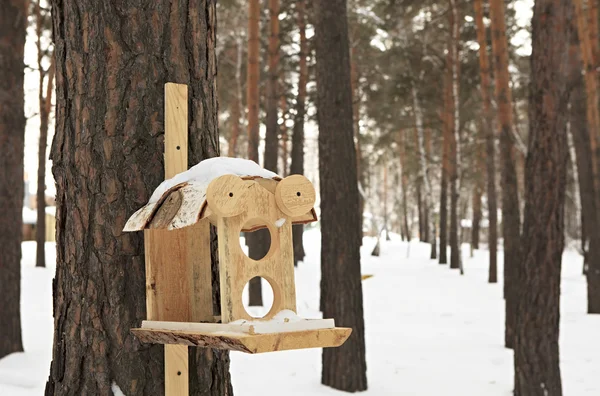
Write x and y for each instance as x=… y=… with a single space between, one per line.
x=255 y=240
x=344 y=368
x=297 y=165
x=490 y=142
x=537 y=371
x=454 y=125
x=13 y=19
x=511 y=221
x=111 y=63
x=404 y=177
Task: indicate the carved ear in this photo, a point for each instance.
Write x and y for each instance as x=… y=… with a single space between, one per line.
x=226 y=195
x=295 y=195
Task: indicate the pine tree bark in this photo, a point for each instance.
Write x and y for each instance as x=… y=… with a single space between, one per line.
x=45 y=105
x=256 y=240
x=454 y=135
x=588 y=45
x=536 y=356
x=236 y=112
x=404 y=181
x=446 y=131
x=13 y=21
x=355 y=78
x=107 y=156
x=284 y=136
x=424 y=172
x=477 y=192
x=344 y=368
x=297 y=165
x=272 y=134
x=490 y=142
x=511 y=220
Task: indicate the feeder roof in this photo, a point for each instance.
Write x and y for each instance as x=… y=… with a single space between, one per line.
x=181 y=201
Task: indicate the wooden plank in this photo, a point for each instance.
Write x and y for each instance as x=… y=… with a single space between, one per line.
x=277 y=267
x=258 y=343
x=176 y=129
x=176 y=370
x=178 y=268
x=248 y=327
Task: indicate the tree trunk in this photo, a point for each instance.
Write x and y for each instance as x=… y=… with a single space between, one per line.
x=592 y=220
x=45 y=105
x=354 y=78
x=272 y=134
x=424 y=171
x=107 y=156
x=477 y=192
x=536 y=356
x=284 y=137
x=344 y=368
x=490 y=143
x=13 y=20
x=255 y=240
x=297 y=165
x=420 y=211
x=454 y=135
x=444 y=177
x=511 y=220
x=236 y=112
x=404 y=176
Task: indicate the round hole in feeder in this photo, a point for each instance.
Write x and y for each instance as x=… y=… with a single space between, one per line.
x=258 y=239
x=230 y=195
x=298 y=193
x=178 y=147
x=179 y=373
x=267 y=294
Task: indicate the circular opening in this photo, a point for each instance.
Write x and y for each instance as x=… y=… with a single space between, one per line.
x=256 y=244
x=230 y=195
x=178 y=148
x=298 y=193
x=260 y=302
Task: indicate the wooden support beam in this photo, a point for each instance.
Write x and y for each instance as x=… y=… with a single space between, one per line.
x=178 y=263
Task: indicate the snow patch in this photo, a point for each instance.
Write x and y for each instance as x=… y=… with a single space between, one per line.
x=206 y=171
x=284 y=316
x=280 y=222
x=116 y=390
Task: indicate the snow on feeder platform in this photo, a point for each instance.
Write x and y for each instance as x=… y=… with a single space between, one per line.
x=234 y=195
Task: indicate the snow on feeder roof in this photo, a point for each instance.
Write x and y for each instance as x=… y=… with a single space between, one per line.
x=182 y=200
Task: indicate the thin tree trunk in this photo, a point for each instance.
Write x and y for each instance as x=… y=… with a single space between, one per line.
x=107 y=155
x=490 y=143
x=354 y=78
x=536 y=357
x=477 y=192
x=454 y=135
x=256 y=240
x=45 y=105
x=420 y=211
x=511 y=218
x=344 y=368
x=236 y=113
x=446 y=131
x=593 y=117
x=13 y=21
x=272 y=134
x=424 y=170
x=297 y=165
x=385 y=199
x=404 y=177
x=284 y=137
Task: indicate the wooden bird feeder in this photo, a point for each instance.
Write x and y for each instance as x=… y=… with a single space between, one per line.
x=176 y=224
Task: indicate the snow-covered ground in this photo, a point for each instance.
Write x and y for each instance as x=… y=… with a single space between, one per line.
x=429 y=331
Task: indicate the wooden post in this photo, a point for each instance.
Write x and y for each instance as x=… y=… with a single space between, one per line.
x=178 y=262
